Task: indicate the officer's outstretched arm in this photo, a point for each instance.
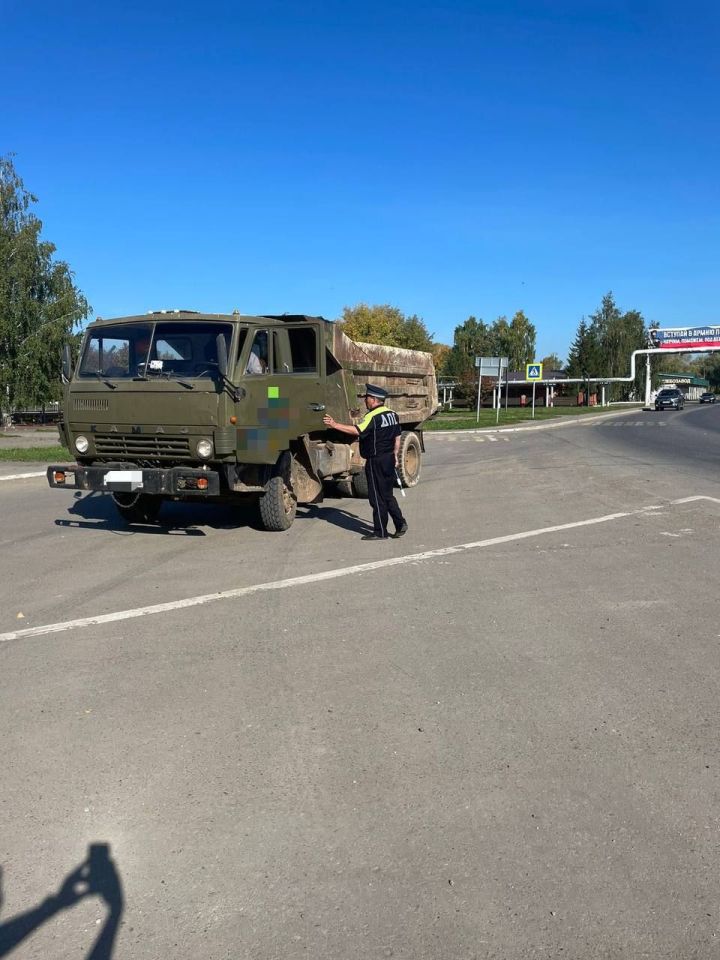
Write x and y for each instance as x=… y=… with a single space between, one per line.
x=349 y=428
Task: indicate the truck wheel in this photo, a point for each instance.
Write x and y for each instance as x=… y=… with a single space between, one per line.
x=360 y=485
x=344 y=487
x=410 y=458
x=137 y=507
x=277 y=505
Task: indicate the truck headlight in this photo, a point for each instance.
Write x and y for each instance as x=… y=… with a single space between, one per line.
x=82 y=444
x=204 y=449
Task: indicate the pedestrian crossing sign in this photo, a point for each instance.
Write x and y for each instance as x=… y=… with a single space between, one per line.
x=533 y=371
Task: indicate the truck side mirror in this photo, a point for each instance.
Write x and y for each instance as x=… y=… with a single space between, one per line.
x=66 y=363
x=222 y=355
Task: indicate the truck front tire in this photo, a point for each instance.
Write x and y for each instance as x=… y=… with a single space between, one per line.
x=277 y=505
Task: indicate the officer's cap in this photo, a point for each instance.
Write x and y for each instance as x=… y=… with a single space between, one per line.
x=372 y=391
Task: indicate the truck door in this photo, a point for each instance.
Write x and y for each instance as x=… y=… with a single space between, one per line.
x=281 y=374
x=297 y=362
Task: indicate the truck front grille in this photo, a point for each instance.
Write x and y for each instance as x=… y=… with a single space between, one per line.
x=118 y=445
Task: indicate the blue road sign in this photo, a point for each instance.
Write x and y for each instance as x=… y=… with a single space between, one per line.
x=533 y=371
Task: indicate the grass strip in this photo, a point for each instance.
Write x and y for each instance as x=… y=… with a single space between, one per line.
x=36 y=455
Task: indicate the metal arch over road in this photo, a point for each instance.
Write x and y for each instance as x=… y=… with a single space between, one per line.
x=646 y=352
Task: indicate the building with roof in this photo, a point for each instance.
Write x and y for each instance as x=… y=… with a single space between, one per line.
x=690 y=385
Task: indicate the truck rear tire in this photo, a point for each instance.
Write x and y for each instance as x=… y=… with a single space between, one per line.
x=410 y=458
x=360 y=485
x=137 y=507
x=277 y=505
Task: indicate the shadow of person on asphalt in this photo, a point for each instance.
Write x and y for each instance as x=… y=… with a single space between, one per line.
x=339 y=518
x=97 y=875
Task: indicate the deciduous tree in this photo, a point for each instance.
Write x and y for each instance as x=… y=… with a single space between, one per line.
x=551 y=362
x=39 y=301
x=520 y=346
x=440 y=352
x=475 y=338
x=387 y=325
x=471 y=339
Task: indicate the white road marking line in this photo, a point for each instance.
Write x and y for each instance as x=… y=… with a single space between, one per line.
x=324 y=575
x=23 y=476
x=695 y=499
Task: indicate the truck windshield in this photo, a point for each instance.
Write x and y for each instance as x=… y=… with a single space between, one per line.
x=171 y=349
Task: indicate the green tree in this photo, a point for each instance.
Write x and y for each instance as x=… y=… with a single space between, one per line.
x=584 y=356
x=386 y=325
x=414 y=334
x=602 y=347
x=39 y=302
x=520 y=344
x=710 y=369
x=471 y=339
x=500 y=339
x=551 y=362
x=440 y=352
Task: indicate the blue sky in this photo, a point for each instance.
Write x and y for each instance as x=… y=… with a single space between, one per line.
x=449 y=158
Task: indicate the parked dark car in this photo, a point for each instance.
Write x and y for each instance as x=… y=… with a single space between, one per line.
x=669 y=399
x=707 y=398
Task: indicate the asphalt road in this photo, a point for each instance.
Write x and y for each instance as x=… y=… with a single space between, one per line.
x=496 y=737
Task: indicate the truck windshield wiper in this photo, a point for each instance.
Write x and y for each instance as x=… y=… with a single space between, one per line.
x=108 y=383
x=168 y=375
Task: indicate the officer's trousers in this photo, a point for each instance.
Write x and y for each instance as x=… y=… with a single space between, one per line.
x=380 y=473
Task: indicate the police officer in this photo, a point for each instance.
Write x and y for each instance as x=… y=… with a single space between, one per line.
x=379 y=433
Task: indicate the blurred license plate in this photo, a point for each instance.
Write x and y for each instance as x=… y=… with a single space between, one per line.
x=124 y=479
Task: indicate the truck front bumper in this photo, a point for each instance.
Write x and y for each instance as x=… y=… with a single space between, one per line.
x=124 y=478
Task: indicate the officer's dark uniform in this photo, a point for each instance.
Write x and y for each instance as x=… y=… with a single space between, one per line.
x=378 y=430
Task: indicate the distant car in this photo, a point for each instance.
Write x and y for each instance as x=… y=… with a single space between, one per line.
x=669 y=399
x=707 y=398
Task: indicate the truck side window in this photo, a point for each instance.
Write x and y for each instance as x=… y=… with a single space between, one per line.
x=258 y=359
x=303 y=349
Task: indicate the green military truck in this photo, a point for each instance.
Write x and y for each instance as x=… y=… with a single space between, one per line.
x=179 y=405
